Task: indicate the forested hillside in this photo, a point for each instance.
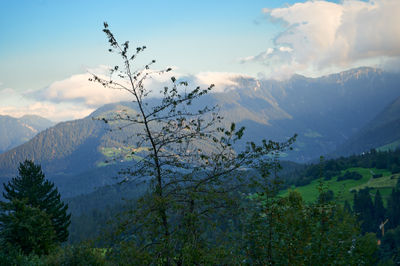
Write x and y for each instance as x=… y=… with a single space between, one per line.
x=16 y=131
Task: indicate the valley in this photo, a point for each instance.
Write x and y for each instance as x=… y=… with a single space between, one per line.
x=338 y=123
x=200 y=133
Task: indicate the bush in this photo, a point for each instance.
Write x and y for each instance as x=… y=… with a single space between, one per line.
x=10 y=255
x=82 y=254
x=377 y=175
x=395 y=169
x=350 y=175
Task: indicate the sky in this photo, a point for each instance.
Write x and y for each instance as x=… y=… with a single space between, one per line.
x=48 y=48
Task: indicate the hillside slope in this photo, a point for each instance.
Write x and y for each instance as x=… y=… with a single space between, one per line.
x=15 y=131
x=324 y=112
x=384 y=129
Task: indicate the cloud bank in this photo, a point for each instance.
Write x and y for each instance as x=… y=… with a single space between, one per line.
x=320 y=36
x=16 y=104
x=76 y=97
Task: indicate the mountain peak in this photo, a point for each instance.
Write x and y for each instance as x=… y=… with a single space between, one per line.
x=354 y=73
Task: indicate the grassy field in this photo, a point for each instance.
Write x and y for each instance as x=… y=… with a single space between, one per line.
x=342 y=189
x=122 y=154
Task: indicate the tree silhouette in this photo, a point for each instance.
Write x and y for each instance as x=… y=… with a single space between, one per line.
x=37 y=195
x=186 y=156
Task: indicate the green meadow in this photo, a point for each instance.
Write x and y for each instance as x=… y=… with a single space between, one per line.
x=343 y=189
x=124 y=154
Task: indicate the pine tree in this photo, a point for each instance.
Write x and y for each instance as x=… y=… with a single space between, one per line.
x=25 y=228
x=32 y=188
x=379 y=210
x=364 y=209
x=393 y=209
x=347 y=207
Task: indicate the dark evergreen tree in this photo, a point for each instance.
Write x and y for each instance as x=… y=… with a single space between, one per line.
x=37 y=192
x=364 y=209
x=347 y=207
x=25 y=228
x=379 y=210
x=394 y=207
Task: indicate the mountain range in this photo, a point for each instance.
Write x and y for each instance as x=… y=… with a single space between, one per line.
x=16 y=131
x=330 y=114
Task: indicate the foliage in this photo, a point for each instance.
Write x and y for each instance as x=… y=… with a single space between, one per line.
x=347 y=188
x=326 y=196
x=379 y=210
x=11 y=255
x=390 y=247
x=350 y=175
x=364 y=208
x=287 y=231
x=34 y=218
x=389 y=160
x=393 y=207
x=27 y=228
x=82 y=254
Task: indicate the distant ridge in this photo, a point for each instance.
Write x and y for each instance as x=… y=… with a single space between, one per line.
x=325 y=112
x=15 y=131
x=384 y=129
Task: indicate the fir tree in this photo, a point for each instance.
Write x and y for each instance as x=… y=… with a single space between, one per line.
x=32 y=188
x=394 y=207
x=25 y=228
x=364 y=209
x=379 y=210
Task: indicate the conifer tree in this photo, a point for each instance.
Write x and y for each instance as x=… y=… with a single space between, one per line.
x=394 y=207
x=379 y=209
x=364 y=209
x=25 y=228
x=31 y=187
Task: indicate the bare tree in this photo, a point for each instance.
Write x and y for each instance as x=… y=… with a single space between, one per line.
x=186 y=155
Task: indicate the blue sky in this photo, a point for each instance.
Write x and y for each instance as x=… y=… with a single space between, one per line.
x=49 y=40
x=45 y=43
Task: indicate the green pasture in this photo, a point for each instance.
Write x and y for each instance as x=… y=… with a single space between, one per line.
x=343 y=189
x=122 y=154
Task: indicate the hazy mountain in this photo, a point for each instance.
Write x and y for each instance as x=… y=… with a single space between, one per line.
x=15 y=131
x=382 y=131
x=324 y=111
x=72 y=152
x=68 y=145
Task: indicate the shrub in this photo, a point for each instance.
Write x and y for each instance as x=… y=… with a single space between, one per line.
x=349 y=175
x=82 y=254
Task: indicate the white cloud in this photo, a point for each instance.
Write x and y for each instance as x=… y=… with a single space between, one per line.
x=17 y=104
x=76 y=97
x=54 y=112
x=221 y=80
x=321 y=35
x=77 y=89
